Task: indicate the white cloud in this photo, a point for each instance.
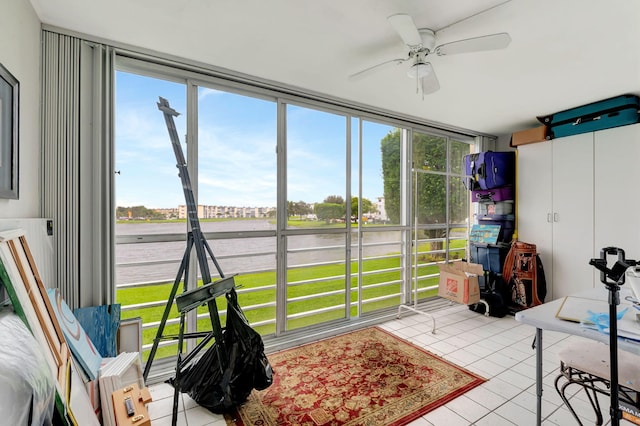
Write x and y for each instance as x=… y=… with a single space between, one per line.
x=204 y=93
x=237 y=154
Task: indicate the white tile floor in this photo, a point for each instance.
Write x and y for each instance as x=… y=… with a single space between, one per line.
x=499 y=349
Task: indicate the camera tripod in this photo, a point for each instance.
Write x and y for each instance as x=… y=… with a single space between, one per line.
x=613 y=278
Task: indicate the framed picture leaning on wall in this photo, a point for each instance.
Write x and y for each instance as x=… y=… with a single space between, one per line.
x=9 y=109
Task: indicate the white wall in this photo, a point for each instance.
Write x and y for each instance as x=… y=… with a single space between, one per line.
x=20 y=54
x=502 y=144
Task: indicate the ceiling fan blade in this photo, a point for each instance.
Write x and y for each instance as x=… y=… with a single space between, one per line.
x=476 y=44
x=430 y=83
x=367 y=71
x=406 y=29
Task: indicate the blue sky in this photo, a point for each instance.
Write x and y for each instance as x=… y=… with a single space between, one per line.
x=237 y=149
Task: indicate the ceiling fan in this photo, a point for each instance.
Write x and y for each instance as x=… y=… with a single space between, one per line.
x=422 y=43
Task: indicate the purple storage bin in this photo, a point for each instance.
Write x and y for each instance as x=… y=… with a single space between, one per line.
x=504 y=193
x=496 y=207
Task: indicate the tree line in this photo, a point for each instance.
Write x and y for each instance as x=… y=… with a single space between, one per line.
x=331 y=208
x=138 y=212
x=429 y=153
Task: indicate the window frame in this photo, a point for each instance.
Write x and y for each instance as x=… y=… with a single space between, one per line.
x=195 y=77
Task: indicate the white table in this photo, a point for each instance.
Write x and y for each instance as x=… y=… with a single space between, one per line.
x=543 y=317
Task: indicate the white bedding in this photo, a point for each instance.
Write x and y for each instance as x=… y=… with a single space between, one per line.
x=27 y=386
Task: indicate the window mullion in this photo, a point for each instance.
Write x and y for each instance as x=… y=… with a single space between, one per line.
x=191 y=142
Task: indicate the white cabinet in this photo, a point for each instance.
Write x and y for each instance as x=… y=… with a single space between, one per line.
x=556 y=209
x=572 y=217
x=534 y=202
x=617 y=190
x=577 y=195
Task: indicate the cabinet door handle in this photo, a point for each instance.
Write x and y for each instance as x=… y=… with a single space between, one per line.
x=549 y=217
x=555 y=217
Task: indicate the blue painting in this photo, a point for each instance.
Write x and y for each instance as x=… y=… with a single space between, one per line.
x=487 y=234
x=81 y=346
x=101 y=324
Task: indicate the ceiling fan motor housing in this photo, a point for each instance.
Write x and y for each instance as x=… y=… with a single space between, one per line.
x=428 y=38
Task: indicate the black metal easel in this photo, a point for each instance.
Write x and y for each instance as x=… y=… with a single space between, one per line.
x=203 y=295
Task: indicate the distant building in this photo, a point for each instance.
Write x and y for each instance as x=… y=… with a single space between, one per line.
x=381 y=213
x=168 y=213
x=225 y=212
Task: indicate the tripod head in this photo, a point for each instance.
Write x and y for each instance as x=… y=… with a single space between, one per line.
x=615 y=275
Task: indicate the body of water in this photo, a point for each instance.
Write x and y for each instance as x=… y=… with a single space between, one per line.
x=235 y=256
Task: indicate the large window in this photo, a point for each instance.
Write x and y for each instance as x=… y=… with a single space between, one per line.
x=309 y=206
x=237 y=160
x=237 y=195
x=146 y=173
x=316 y=166
x=440 y=206
x=377 y=243
x=148 y=192
x=380 y=153
x=316 y=265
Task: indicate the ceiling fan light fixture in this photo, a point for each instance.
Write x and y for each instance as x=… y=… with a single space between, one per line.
x=420 y=70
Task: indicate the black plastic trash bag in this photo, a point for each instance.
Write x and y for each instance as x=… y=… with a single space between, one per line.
x=247 y=367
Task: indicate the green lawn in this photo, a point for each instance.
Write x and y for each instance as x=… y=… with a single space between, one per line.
x=331 y=279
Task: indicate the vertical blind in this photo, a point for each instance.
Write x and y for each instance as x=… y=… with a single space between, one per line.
x=77 y=160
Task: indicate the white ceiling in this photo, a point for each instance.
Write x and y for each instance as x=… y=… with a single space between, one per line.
x=563 y=53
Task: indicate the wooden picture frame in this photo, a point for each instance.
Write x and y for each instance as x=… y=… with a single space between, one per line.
x=19 y=275
x=9 y=125
x=130 y=335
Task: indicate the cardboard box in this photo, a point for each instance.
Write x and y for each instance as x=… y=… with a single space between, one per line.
x=523 y=137
x=459 y=282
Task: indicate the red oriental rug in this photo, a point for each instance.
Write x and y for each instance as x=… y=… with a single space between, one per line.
x=368 y=377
